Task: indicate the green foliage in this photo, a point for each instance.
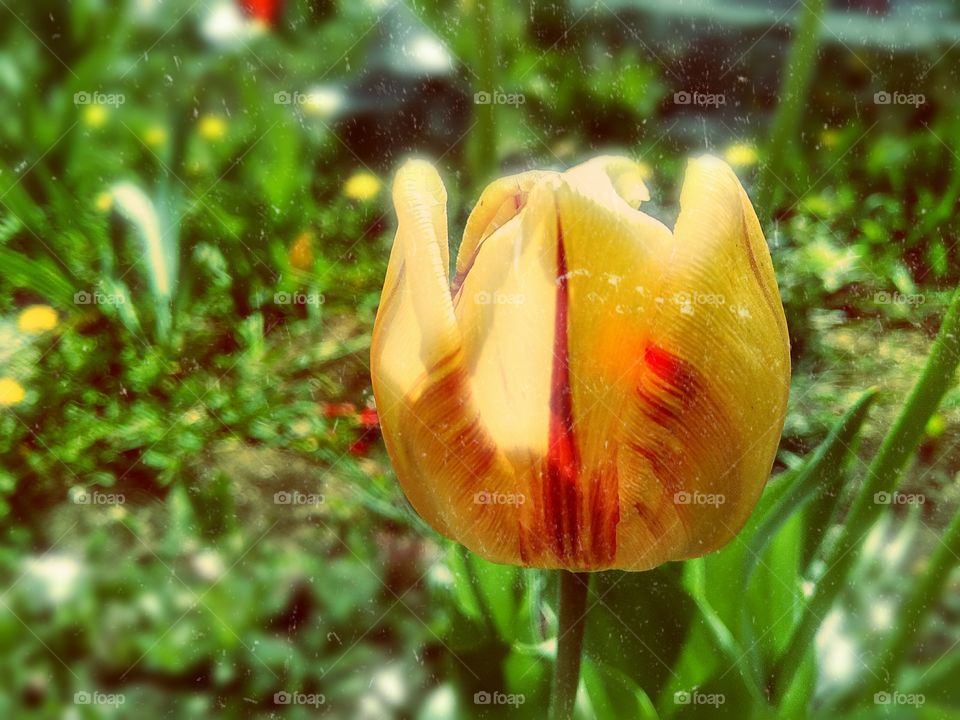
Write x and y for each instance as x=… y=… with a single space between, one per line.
x=215 y=289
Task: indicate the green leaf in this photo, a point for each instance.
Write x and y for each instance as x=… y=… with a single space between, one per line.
x=487 y=592
x=748 y=618
x=609 y=693
x=820 y=477
x=40 y=275
x=638 y=622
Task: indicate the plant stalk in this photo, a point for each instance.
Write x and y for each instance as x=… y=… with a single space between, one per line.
x=573 y=616
x=484 y=158
x=798 y=72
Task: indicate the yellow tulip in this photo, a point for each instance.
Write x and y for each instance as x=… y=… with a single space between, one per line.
x=590 y=390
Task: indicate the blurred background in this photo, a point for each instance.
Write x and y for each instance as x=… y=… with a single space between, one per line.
x=196 y=510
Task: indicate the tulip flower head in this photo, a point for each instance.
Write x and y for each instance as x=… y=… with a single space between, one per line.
x=590 y=390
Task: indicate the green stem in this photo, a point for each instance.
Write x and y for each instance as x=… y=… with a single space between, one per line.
x=484 y=158
x=797 y=77
x=882 y=475
x=573 y=615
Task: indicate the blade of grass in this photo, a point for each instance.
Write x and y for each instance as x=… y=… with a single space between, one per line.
x=882 y=476
x=822 y=475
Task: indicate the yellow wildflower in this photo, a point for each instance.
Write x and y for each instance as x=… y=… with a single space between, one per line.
x=11 y=392
x=155 y=135
x=37 y=319
x=95 y=115
x=212 y=127
x=362 y=186
x=741 y=155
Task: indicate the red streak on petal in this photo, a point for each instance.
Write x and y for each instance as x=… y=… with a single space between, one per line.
x=663 y=364
x=562 y=494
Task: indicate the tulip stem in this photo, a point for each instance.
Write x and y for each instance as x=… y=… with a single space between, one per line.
x=573 y=615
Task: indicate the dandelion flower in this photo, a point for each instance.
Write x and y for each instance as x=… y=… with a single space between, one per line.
x=362 y=186
x=741 y=155
x=212 y=127
x=37 y=319
x=11 y=392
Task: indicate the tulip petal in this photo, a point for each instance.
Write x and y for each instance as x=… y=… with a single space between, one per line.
x=610 y=180
x=711 y=394
x=612 y=277
x=442 y=454
x=500 y=201
x=505 y=309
